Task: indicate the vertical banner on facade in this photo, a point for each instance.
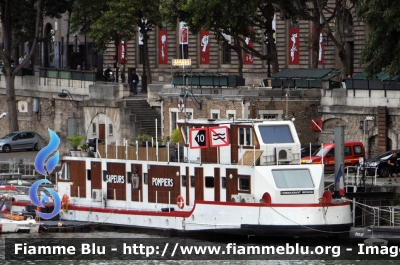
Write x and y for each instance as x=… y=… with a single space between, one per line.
x=140 y=37
x=123 y=52
x=294 y=47
x=204 y=47
x=183 y=33
x=321 y=46
x=247 y=57
x=162 y=47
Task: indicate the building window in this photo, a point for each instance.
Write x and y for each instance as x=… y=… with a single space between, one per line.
x=94 y=128
x=214 y=114
x=244 y=183
x=269 y=117
x=209 y=181
x=110 y=129
x=226 y=56
x=173 y=120
x=141 y=54
x=245 y=136
x=231 y=114
x=185 y=49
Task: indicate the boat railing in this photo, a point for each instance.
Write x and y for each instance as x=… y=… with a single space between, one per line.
x=23 y=166
x=353 y=176
x=377 y=215
x=147 y=153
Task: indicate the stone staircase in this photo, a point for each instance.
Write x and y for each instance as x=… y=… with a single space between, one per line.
x=144 y=115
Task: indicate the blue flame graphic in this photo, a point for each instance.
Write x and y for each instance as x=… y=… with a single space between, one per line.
x=35 y=200
x=50 y=165
x=45 y=152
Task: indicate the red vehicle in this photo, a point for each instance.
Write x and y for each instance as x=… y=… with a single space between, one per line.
x=326 y=154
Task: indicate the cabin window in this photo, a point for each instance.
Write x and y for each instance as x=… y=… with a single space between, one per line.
x=135 y=182
x=129 y=177
x=191 y=181
x=94 y=128
x=244 y=183
x=292 y=178
x=183 y=180
x=110 y=129
x=89 y=177
x=209 y=182
x=274 y=134
x=65 y=173
x=245 y=136
x=223 y=182
x=145 y=178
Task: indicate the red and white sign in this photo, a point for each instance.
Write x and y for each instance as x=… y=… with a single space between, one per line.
x=321 y=46
x=294 y=47
x=123 y=52
x=184 y=33
x=219 y=136
x=163 y=47
x=198 y=138
x=247 y=56
x=204 y=47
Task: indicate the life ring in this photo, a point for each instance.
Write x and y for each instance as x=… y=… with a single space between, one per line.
x=180 y=202
x=65 y=203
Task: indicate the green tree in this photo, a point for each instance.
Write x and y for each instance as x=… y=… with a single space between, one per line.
x=113 y=20
x=382 y=49
x=22 y=21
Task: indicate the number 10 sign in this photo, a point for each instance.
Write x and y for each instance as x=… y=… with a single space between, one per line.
x=198 y=138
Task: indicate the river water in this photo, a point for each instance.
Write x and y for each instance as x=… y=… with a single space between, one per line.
x=110 y=237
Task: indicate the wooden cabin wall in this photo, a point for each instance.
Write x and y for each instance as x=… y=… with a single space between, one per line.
x=120 y=188
x=198 y=183
x=187 y=186
x=77 y=178
x=96 y=175
x=135 y=192
x=166 y=172
x=231 y=184
x=217 y=184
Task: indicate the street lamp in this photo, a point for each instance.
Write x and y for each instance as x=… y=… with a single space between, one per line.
x=144 y=27
x=65 y=93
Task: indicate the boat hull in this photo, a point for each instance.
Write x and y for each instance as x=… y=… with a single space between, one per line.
x=12 y=226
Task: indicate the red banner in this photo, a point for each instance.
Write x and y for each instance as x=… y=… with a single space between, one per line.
x=321 y=46
x=162 y=47
x=247 y=57
x=294 y=47
x=123 y=52
x=184 y=33
x=204 y=47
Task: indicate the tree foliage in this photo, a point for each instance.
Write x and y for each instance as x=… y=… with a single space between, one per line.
x=382 y=48
x=22 y=21
x=107 y=21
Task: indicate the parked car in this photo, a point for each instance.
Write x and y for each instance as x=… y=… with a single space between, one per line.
x=21 y=140
x=353 y=151
x=380 y=162
x=305 y=150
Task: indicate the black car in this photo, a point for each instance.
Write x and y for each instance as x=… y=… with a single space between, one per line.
x=380 y=162
x=305 y=150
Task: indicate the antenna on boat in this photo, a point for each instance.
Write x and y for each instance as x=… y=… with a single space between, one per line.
x=287 y=102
